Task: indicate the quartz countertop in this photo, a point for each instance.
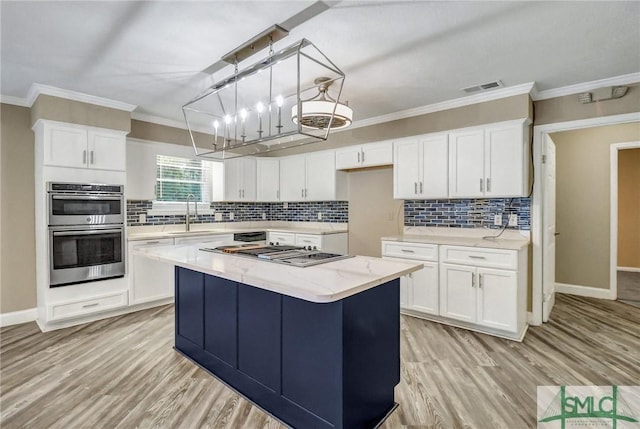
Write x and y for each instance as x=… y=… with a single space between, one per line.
x=469 y=241
x=173 y=232
x=327 y=282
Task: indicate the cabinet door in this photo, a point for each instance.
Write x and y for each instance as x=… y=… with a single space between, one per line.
x=152 y=279
x=458 y=292
x=406 y=170
x=498 y=299
x=320 y=176
x=377 y=154
x=292 y=174
x=232 y=177
x=434 y=177
x=504 y=161
x=348 y=157
x=268 y=179
x=466 y=164
x=107 y=151
x=65 y=147
x=190 y=305
x=424 y=289
x=248 y=179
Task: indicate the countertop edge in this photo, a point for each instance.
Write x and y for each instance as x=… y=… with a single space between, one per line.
x=142 y=236
x=506 y=244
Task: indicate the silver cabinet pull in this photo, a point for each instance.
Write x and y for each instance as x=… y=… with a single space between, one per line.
x=473 y=280
x=477 y=257
x=358 y=157
x=239 y=193
x=84 y=156
x=420 y=187
x=243 y=193
x=488 y=185
x=415 y=187
x=278 y=194
x=302 y=193
x=152 y=242
x=95 y=304
x=91 y=157
x=305 y=192
x=362 y=156
x=479 y=280
x=407 y=251
x=306 y=241
x=481 y=184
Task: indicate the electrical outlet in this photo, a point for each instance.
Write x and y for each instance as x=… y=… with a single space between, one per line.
x=218 y=216
x=319 y=216
x=264 y=216
x=231 y=216
x=285 y=205
x=513 y=220
x=497 y=220
x=142 y=218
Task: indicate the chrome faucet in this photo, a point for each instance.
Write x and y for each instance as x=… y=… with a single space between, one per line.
x=188 y=214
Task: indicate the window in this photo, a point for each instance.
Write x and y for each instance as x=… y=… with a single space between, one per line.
x=178 y=177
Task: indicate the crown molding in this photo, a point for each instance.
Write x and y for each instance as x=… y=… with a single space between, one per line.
x=585 y=86
x=16 y=101
x=38 y=89
x=496 y=94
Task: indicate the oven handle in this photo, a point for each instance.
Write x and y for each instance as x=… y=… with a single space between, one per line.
x=84 y=197
x=85 y=232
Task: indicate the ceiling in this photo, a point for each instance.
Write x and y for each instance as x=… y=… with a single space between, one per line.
x=396 y=55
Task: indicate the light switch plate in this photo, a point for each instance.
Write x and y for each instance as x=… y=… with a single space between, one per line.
x=319 y=216
x=142 y=218
x=264 y=216
x=513 y=220
x=231 y=216
x=218 y=216
x=497 y=220
x=285 y=205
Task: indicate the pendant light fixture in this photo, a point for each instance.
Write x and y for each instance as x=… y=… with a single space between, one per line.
x=242 y=114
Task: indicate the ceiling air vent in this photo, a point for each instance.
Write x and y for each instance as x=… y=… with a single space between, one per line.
x=483 y=87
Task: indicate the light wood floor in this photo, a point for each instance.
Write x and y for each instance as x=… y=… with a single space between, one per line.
x=123 y=373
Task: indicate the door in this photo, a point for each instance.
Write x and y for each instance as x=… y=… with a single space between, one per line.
x=498 y=299
x=466 y=164
x=458 y=292
x=232 y=175
x=425 y=289
x=434 y=177
x=248 y=179
x=348 y=158
x=406 y=165
x=292 y=171
x=268 y=179
x=504 y=149
x=548 y=228
x=66 y=147
x=377 y=154
x=107 y=151
x=320 y=177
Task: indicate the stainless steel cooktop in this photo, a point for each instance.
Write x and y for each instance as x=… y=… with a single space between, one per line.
x=296 y=256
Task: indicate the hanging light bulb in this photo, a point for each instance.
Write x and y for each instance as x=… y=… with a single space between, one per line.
x=216 y=124
x=259 y=109
x=243 y=117
x=279 y=102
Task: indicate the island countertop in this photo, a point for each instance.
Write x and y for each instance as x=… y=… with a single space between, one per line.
x=327 y=282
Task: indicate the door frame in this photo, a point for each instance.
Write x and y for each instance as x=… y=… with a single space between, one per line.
x=539 y=133
x=613 y=275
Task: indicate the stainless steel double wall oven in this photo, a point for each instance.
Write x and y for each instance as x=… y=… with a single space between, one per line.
x=86 y=232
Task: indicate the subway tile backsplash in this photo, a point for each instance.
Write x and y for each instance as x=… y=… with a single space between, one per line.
x=332 y=211
x=467 y=213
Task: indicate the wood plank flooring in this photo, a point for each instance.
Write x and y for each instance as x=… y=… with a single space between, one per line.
x=123 y=373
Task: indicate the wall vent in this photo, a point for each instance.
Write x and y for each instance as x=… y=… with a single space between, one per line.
x=483 y=87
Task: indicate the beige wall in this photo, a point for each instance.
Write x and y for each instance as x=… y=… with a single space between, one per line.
x=17 y=277
x=161 y=133
x=568 y=108
x=629 y=208
x=75 y=112
x=373 y=213
x=582 y=195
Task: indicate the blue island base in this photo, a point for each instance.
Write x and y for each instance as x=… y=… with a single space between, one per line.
x=310 y=365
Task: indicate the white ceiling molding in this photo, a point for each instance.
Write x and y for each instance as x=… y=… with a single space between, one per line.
x=496 y=94
x=38 y=89
x=158 y=120
x=16 y=101
x=626 y=79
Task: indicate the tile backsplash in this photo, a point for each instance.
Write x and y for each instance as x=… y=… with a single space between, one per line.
x=332 y=211
x=467 y=213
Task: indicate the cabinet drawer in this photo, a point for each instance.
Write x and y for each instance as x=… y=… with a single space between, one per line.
x=157 y=242
x=483 y=257
x=83 y=307
x=307 y=240
x=419 y=251
x=281 y=238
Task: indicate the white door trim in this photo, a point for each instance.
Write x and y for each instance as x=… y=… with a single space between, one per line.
x=613 y=205
x=539 y=132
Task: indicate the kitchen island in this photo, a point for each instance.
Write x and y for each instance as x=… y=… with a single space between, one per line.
x=316 y=347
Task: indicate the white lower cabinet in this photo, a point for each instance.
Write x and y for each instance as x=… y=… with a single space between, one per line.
x=150 y=280
x=483 y=289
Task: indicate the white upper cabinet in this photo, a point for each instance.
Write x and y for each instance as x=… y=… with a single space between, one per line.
x=420 y=167
x=79 y=146
x=369 y=155
x=311 y=177
x=268 y=179
x=240 y=179
x=490 y=162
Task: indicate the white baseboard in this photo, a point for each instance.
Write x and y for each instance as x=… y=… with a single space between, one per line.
x=591 y=292
x=18 y=317
x=631 y=269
